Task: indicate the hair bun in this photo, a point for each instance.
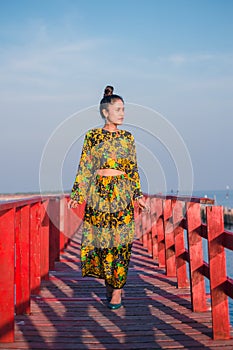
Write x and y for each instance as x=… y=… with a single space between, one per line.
x=108 y=90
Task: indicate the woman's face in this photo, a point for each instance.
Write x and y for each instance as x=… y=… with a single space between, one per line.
x=115 y=113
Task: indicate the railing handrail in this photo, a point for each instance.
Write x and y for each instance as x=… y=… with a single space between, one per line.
x=6 y=204
x=183 y=198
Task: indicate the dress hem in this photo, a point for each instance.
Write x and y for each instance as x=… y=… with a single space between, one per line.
x=102 y=278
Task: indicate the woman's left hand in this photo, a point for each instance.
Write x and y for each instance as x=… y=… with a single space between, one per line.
x=72 y=204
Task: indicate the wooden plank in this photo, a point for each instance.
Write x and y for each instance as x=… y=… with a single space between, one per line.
x=170 y=256
x=7 y=257
x=160 y=232
x=180 y=250
x=137 y=219
x=197 y=281
x=185 y=199
x=62 y=224
x=22 y=269
x=154 y=234
x=146 y=229
x=161 y=242
x=218 y=273
x=35 y=256
x=44 y=240
x=54 y=231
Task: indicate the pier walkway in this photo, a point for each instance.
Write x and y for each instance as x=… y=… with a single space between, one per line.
x=70 y=312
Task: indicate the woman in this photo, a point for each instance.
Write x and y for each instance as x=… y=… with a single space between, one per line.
x=108 y=180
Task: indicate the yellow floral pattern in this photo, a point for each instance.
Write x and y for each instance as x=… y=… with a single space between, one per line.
x=108 y=227
x=103 y=149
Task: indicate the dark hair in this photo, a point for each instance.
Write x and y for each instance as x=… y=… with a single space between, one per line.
x=109 y=98
x=108 y=90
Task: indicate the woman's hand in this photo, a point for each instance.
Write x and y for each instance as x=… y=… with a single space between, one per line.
x=72 y=204
x=143 y=205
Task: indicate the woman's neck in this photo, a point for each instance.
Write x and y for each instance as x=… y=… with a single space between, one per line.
x=110 y=127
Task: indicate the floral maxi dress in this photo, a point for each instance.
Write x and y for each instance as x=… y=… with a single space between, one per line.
x=108 y=226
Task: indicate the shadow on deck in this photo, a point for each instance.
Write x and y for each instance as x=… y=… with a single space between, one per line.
x=71 y=312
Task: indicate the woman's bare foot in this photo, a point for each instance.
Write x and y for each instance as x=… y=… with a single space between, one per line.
x=116 y=296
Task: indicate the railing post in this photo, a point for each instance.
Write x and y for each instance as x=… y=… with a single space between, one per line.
x=62 y=224
x=161 y=234
x=197 y=281
x=146 y=228
x=137 y=217
x=74 y=218
x=154 y=234
x=169 y=240
x=7 y=266
x=218 y=273
x=35 y=257
x=180 y=251
x=44 y=239
x=54 y=231
x=22 y=270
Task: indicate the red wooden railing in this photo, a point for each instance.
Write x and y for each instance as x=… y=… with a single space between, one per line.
x=34 y=231
x=163 y=233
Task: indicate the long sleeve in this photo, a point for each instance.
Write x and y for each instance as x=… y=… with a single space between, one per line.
x=84 y=174
x=132 y=170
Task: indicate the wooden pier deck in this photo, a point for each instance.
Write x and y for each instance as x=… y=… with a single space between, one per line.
x=71 y=313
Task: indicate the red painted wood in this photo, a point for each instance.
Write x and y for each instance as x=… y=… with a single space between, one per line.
x=180 y=250
x=137 y=218
x=69 y=221
x=217 y=266
x=62 y=225
x=22 y=269
x=196 y=230
x=25 y=259
x=67 y=224
x=54 y=231
x=146 y=228
x=35 y=256
x=71 y=312
x=44 y=240
x=185 y=199
x=161 y=234
x=154 y=234
x=197 y=283
x=18 y=282
x=7 y=255
x=169 y=240
x=139 y=225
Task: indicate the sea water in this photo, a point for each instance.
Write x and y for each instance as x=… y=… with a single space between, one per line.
x=221 y=197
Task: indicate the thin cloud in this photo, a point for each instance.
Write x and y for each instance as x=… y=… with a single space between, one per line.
x=180 y=59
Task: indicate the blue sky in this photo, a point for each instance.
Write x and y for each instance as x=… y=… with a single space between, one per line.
x=172 y=56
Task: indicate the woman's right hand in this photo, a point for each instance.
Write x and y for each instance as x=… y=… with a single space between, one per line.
x=143 y=205
x=72 y=204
